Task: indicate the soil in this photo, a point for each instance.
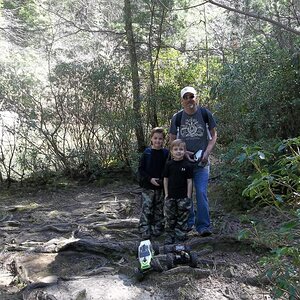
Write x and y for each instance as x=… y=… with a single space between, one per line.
x=81 y=243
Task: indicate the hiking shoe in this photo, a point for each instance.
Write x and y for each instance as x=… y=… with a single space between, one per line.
x=205 y=232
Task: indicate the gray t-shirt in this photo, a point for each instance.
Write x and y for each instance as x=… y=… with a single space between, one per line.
x=193 y=129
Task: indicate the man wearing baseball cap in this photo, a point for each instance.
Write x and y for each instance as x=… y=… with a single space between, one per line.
x=197 y=128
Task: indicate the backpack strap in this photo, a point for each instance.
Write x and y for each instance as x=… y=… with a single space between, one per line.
x=178 y=119
x=204 y=115
x=205 y=118
x=147 y=154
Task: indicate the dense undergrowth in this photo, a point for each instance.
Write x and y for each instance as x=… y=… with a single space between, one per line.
x=266 y=175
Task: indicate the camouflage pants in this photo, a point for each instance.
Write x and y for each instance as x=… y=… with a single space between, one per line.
x=152 y=216
x=177 y=214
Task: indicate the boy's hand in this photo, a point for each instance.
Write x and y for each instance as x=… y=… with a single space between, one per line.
x=154 y=181
x=190 y=156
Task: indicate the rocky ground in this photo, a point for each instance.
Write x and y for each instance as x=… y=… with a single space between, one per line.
x=80 y=243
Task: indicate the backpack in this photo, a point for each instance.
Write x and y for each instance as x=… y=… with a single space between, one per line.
x=204 y=116
x=143 y=182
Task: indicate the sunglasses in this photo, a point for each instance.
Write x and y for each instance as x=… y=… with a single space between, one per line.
x=189 y=97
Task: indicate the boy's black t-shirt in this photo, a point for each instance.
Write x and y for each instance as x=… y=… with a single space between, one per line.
x=178 y=172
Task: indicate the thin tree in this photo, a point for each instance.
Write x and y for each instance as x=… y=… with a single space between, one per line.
x=134 y=76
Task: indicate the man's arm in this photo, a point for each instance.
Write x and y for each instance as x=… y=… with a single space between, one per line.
x=172 y=137
x=210 y=145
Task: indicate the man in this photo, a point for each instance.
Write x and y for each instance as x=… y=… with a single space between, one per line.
x=197 y=128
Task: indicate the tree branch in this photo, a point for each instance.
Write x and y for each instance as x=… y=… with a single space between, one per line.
x=80 y=28
x=184 y=8
x=245 y=13
x=256 y=16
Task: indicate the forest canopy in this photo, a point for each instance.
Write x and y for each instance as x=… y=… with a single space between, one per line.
x=83 y=82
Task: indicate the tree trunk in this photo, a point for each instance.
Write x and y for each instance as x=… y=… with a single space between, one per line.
x=134 y=77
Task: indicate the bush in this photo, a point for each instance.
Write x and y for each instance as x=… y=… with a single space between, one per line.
x=264 y=173
x=259 y=100
x=275 y=179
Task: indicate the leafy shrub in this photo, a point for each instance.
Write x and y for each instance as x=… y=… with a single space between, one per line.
x=234 y=176
x=264 y=173
x=276 y=177
x=282 y=266
x=259 y=100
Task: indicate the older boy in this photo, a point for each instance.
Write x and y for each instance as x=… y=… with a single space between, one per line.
x=151 y=167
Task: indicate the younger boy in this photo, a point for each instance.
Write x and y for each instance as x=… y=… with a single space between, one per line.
x=151 y=167
x=178 y=183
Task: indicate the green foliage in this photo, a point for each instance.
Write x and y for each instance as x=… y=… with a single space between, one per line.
x=25 y=11
x=282 y=266
x=77 y=126
x=98 y=105
x=234 y=176
x=262 y=173
x=175 y=71
x=276 y=177
x=85 y=112
x=167 y=102
x=259 y=100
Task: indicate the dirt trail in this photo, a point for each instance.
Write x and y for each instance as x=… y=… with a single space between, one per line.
x=81 y=244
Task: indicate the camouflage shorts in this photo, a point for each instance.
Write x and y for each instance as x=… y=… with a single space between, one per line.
x=176 y=214
x=152 y=216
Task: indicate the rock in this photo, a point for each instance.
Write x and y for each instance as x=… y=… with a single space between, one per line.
x=81 y=295
x=229 y=273
x=12 y=223
x=52 y=279
x=38 y=295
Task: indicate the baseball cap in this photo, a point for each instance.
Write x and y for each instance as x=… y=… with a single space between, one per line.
x=187 y=89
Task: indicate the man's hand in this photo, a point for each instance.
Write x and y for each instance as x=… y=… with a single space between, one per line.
x=205 y=157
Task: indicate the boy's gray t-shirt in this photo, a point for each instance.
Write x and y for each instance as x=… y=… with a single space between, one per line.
x=193 y=129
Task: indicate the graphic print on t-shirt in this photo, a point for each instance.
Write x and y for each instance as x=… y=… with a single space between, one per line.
x=191 y=129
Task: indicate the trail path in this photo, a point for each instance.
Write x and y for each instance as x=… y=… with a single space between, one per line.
x=80 y=243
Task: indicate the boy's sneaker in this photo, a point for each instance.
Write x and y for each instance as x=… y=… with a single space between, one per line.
x=169 y=240
x=190 y=228
x=157 y=233
x=146 y=235
x=205 y=232
x=181 y=239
